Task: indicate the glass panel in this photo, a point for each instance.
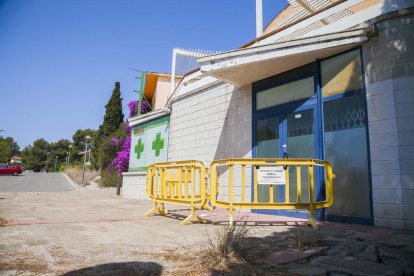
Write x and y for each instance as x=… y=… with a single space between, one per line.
x=341 y=73
x=346 y=149
x=268 y=138
x=289 y=92
x=300 y=144
x=267 y=147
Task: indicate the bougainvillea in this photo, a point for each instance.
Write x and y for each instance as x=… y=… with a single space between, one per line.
x=121 y=160
x=133 y=108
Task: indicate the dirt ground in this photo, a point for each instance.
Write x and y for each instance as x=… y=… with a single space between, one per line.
x=55 y=233
x=95 y=232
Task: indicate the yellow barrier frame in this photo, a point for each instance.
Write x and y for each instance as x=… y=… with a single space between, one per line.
x=231 y=205
x=169 y=182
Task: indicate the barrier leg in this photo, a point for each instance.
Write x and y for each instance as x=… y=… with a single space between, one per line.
x=231 y=220
x=311 y=221
x=206 y=206
x=162 y=210
x=193 y=217
x=157 y=210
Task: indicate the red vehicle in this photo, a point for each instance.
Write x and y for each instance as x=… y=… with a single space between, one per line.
x=10 y=169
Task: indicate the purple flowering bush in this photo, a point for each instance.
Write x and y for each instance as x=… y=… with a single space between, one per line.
x=133 y=108
x=121 y=161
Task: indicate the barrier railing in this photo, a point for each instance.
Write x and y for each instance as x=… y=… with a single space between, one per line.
x=181 y=182
x=279 y=184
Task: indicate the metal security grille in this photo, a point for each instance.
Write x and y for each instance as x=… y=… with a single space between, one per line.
x=299 y=125
x=346 y=113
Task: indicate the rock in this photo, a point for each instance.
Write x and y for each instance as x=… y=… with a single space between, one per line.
x=331 y=241
x=292 y=255
x=396 y=257
x=402 y=241
x=339 y=233
x=306 y=269
x=348 y=248
x=370 y=254
x=349 y=265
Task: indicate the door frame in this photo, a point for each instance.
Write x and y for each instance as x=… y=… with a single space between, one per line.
x=312 y=69
x=281 y=111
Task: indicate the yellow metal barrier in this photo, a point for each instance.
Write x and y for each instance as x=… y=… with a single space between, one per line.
x=181 y=182
x=295 y=177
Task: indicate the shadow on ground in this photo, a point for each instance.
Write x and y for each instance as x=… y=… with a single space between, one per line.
x=124 y=269
x=334 y=249
x=246 y=219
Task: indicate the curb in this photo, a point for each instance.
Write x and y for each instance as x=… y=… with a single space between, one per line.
x=73 y=183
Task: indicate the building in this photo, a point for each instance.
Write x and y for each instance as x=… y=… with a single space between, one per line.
x=331 y=80
x=16 y=160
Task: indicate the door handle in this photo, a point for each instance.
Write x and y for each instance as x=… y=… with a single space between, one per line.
x=285 y=155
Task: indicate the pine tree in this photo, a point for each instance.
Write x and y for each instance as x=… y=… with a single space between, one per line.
x=112 y=120
x=113 y=116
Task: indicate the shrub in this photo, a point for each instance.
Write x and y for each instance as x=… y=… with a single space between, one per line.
x=110 y=178
x=3 y=222
x=133 y=108
x=121 y=160
x=304 y=238
x=225 y=250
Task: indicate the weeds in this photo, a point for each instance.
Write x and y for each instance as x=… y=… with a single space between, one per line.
x=224 y=250
x=110 y=179
x=304 y=238
x=3 y=222
x=223 y=253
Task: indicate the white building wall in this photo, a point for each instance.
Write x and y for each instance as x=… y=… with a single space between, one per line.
x=133 y=185
x=213 y=124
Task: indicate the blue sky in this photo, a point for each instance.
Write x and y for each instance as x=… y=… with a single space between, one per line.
x=59 y=59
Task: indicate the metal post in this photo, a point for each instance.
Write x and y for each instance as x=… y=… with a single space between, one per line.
x=141 y=93
x=259 y=18
x=84 y=162
x=56 y=162
x=118 y=188
x=172 y=82
x=69 y=154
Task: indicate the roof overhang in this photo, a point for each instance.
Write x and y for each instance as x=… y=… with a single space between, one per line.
x=245 y=66
x=151 y=80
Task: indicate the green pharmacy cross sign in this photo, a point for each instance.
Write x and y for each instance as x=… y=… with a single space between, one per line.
x=158 y=144
x=149 y=144
x=139 y=148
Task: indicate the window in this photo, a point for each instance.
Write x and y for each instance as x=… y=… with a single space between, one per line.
x=341 y=73
x=285 y=93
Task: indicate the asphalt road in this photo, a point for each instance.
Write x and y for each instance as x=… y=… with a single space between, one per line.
x=35 y=182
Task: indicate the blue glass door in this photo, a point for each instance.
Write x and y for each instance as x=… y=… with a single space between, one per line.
x=289 y=132
x=300 y=143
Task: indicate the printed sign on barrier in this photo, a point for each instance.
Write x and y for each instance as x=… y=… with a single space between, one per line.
x=271 y=175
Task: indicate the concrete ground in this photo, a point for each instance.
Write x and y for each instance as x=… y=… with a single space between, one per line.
x=94 y=232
